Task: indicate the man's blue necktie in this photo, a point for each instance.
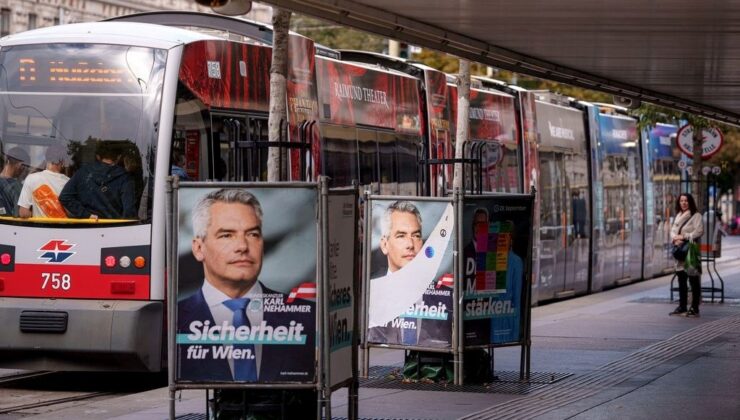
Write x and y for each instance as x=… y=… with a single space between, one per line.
x=244 y=369
x=409 y=333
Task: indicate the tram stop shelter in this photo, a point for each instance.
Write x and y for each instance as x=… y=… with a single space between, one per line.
x=677 y=53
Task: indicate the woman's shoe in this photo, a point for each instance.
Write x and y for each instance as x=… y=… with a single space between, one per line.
x=692 y=313
x=678 y=311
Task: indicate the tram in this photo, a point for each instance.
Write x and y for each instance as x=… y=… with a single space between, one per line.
x=89 y=294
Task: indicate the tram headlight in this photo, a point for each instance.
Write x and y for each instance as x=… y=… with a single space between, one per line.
x=5 y=259
x=124 y=262
x=139 y=262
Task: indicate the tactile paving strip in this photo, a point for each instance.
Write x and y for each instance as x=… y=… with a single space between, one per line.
x=583 y=386
x=507 y=382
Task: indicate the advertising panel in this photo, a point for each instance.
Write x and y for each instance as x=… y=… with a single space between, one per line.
x=246 y=285
x=661 y=141
x=225 y=74
x=302 y=101
x=341 y=254
x=351 y=94
x=618 y=134
x=496 y=233
x=411 y=279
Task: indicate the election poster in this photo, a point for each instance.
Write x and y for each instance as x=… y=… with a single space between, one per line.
x=411 y=276
x=341 y=253
x=246 y=284
x=496 y=236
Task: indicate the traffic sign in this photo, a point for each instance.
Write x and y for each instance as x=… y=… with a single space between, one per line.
x=711 y=141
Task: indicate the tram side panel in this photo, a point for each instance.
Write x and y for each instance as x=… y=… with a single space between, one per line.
x=564 y=199
x=662 y=185
x=370 y=127
x=618 y=188
x=493 y=127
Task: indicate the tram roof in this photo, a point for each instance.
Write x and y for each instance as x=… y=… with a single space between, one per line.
x=120 y=33
x=677 y=53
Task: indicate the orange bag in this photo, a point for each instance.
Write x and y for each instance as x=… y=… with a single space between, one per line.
x=48 y=202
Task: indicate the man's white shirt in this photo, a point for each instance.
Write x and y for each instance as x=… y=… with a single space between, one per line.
x=215 y=298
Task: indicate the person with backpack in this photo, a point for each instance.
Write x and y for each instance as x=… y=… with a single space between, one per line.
x=101 y=189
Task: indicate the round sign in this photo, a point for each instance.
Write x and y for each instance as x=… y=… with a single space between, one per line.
x=716 y=170
x=681 y=164
x=705 y=170
x=711 y=141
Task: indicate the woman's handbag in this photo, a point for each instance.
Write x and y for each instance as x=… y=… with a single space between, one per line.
x=693 y=260
x=680 y=252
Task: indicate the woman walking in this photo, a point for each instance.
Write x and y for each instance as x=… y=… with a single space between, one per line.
x=687 y=226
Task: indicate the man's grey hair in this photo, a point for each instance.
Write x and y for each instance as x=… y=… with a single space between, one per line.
x=201 y=216
x=397 y=206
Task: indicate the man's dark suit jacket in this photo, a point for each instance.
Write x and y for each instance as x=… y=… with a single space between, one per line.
x=280 y=363
x=430 y=332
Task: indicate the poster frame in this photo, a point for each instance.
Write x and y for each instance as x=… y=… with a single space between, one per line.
x=320 y=381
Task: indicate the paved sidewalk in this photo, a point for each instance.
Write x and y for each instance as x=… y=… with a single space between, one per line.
x=623 y=356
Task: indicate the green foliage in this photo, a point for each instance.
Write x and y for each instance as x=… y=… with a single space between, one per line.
x=336 y=36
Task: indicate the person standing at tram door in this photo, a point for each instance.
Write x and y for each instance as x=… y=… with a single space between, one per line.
x=101 y=189
x=687 y=226
x=15 y=161
x=227 y=239
x=40 y=194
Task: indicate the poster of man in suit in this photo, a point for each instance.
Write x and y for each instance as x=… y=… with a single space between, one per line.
x=246 y=285
x=411 y=273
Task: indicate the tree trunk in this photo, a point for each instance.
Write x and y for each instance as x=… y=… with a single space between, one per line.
x=463 y=111
x=698 y=189
x=278 y=103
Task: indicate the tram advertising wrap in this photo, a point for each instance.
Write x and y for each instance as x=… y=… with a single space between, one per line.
x=496 y=235
x=411 y=273
x=246 y=285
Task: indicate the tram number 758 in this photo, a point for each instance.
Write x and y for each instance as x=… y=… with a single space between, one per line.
x=56 y=281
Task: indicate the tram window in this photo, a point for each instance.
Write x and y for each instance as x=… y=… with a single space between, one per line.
x=367 y=158
x=190 y=136
x=339 y=161
x=387 y=162
x=408 y=164
x=256 y=158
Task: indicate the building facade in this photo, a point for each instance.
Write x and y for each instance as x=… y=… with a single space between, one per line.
x=22 y=15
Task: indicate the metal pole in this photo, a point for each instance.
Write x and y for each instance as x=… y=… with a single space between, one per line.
x=458 y=345
x=353 y=391
x=367 y=242
x=324 y=350
x=171 y=252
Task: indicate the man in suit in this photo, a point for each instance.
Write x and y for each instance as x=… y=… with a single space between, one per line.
x=401 y=240
x=234 y=328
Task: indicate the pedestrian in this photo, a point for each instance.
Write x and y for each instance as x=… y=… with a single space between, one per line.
x=687 y=226
x=15 y=162
x=101 y=189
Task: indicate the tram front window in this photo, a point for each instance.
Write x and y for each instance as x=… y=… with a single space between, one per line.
x=85 y=118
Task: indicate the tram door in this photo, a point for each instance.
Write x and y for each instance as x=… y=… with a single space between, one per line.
x=615 y=207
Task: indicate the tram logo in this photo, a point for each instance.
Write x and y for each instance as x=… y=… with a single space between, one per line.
x=56 y=251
